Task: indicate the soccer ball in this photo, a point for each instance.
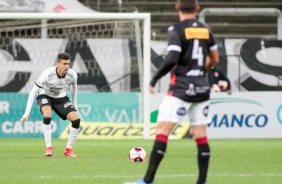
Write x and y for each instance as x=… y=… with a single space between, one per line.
x=137 y=154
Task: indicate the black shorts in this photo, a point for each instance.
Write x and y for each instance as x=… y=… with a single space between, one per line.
x=62 y=106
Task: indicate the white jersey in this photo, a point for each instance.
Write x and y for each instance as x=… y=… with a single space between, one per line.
x=53 y=85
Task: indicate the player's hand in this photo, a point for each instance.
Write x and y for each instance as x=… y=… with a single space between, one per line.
x=215 y=88
x=24 y=117
x=152 y=90
x=229 y=92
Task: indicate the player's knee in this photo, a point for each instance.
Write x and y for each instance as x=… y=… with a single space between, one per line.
x=201 y=141
x=198 y=131
x=47 y=115
x=46 y=121
x=75 y=123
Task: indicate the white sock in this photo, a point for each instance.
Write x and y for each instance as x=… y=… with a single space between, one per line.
x=47 y=134
x=72 y=137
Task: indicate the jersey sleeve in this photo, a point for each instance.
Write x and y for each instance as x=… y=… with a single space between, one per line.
x=42 y=79
x=30 y=100
x=174 y=41
x=74 y=78
x=212 y=42
x=173 y=48
x=168 y=64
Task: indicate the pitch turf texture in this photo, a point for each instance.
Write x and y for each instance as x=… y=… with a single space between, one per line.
x=236 y=161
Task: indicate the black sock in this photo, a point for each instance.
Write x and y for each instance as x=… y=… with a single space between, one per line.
x=203 y=162
x=46 y=121
x=156 y=157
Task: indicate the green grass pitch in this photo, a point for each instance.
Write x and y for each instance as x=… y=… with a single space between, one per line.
x=233 y=161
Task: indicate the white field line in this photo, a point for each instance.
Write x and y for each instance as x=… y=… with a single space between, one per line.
x=158 y=176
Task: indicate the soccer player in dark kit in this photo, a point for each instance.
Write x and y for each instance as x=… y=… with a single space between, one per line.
x=192 y=51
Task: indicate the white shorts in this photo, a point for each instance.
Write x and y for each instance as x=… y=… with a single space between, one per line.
x=173 y=110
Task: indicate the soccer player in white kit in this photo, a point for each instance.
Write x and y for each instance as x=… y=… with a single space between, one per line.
x=50 y=92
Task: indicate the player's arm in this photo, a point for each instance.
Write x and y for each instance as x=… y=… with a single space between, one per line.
x=30 y=101
x=211 y=77
x=168 y=64
x=213 y=56
x=38 y=85
x=74 y=91
x=74 y=94
x=212 y=59
x=174 y=49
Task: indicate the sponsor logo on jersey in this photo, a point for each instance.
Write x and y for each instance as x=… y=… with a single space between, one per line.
x=197 y=33
x=195 y=73
x=191 y=90
x=55 y=91
x=68 y=104
x=67 y=82
x=44 y=101
x=203 y=89
x=181 y=111
x=206 y=111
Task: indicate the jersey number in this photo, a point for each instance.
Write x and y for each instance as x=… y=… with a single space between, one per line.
x=197 y=52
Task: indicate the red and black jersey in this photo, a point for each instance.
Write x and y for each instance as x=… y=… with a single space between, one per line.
x=189 y=43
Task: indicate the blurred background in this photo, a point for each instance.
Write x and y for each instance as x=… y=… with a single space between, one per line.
x=108 y=57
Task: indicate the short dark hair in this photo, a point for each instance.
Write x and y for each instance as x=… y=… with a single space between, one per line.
x=187 y=6
x=63 y=56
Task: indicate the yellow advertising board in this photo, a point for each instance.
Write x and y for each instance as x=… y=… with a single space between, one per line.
x=104 y=130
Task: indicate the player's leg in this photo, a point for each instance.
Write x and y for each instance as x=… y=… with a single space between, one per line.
x=45 y=107
x=157 y=153
x=203 y=151
x=46 y=111
x=159 y=149
x=68 y=112
x=74 y=129
x=171 y=111
x=199 y=119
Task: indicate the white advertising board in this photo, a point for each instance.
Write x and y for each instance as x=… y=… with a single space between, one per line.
x=242 y=114
x=246 y=115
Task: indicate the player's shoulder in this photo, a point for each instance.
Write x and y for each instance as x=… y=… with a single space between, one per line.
x=191 y=23
x=173 y=31
x=204 y=24
x=49 y=71
x=72 y=73
x=172 y=27
x=179 y=26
